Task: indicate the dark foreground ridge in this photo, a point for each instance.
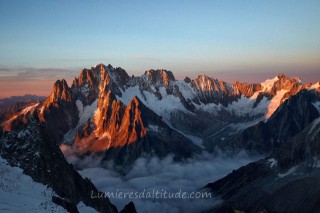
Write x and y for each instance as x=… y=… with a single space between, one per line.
x=30 y=148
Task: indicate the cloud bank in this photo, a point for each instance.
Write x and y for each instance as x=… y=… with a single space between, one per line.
x=163 y=174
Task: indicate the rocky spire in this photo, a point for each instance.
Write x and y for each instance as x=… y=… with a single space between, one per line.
x=109 y=114
x=60 y=91
x=132 y=126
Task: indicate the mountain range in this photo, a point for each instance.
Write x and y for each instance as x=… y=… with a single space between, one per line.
x=287 y=179
x=9 y=106
x=106 y=112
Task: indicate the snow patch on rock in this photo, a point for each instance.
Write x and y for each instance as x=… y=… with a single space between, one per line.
x=275 y=102
x=315 y=127
x=186 y=90
x=244 y=106
x=164 y=107
x=272 y=162
x=268 y=84
x=85 y=113
x=82 y=208
x=289 y=172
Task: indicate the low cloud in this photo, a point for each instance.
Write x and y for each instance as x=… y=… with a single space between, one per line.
x=38 y=81
x=27 y=73
x=163 y=174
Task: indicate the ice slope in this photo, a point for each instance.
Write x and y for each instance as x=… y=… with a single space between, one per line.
x=164 y=107
x=85 y=113
x=268 y=84
x=19 y=193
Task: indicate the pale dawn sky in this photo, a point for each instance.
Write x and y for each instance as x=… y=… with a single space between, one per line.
x=42 y=41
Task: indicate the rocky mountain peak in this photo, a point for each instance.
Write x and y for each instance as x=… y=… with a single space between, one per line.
x=202 y=78
x=109 y=74
x=187 y=79
x=99 y=74
x=283 y=83
x=101 y=66
x=281 y=76
x=133 y=122
x=86 y=76
x=60 y=91
x=103 y=72
x=58 y=111
x=159 y=77
x=91 y=82
x=120 y=76
x=210 y=86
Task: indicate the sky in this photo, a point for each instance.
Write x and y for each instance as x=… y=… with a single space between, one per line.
x=249 y=41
